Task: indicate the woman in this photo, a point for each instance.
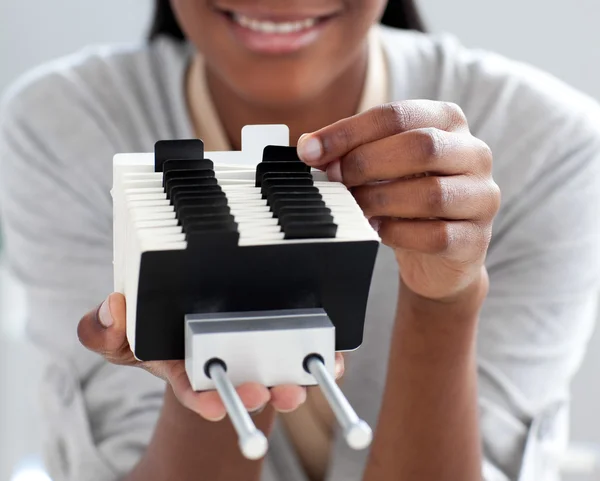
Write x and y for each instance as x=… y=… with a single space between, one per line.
x=471 y=338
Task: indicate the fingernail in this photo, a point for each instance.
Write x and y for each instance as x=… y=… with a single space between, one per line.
x=303 y=397
x=339 y=368
x=334 y=171
x=258 y=410
x=286 y=411
x=300 y=401
x=104 y=315
x=309 y=149
x=375 y=223
x=216 y=420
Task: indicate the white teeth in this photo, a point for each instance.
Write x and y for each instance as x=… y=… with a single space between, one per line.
x=271 y=27
x=268 y=27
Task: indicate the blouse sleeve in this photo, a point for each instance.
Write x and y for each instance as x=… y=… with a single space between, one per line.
x=544 y=267
x=55 y=169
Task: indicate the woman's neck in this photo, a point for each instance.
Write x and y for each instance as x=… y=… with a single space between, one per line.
x=340 y=99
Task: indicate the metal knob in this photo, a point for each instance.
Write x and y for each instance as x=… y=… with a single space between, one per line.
x=357 y=432
x=252 y=442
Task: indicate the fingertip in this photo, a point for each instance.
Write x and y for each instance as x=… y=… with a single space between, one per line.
x=310 y=149
x=375 y=223
x=288 y=398
x=253 y=395
x=92 y=328
x=103 y=332
x=334 y=171
x=208 y=405
x=340 y=365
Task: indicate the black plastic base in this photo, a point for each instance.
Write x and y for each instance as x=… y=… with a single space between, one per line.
x=206 y=278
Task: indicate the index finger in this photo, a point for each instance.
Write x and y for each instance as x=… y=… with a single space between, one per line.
x=336 y=140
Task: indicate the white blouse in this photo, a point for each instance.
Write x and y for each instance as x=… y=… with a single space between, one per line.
x=61 y=125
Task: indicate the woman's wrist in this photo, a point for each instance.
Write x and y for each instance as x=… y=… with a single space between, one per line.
x=463 y=305
x=428 y=427
x=434 y=332
x=186 y=446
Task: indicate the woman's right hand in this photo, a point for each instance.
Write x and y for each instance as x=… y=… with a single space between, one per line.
x=102 y=331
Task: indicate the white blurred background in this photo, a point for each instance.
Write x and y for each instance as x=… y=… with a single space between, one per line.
x=559 y=36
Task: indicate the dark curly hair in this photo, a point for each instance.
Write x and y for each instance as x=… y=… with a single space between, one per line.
x=401 y=14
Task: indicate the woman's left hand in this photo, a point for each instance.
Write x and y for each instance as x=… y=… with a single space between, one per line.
x=424 y=181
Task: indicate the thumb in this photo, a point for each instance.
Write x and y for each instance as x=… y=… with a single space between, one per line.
x=103 y=330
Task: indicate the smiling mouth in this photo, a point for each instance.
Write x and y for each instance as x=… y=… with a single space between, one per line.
x=264 y=31
x=273 y=25
x=266 y=26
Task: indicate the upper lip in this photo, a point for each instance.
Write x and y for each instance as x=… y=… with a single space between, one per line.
x=269 y=14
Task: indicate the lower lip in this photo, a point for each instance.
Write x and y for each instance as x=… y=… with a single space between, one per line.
x=276 y=43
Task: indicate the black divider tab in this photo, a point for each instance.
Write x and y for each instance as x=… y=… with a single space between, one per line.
x=190 y=210
x=177 y=149
x=200 y=216
x=279 y=153
x=213 y=240
x=179 y=164
x=286 y=175
x=189 y=191
x=284 y=168
x=209 y=207
x=186 y=173
x=310 y=230
x=303 y=209
x=217 y=226
x=287 y=219
x=209 y=201
x=192 y=182
x=189 y=223
x=290 y=190
x=277 y=200
x=268 y=185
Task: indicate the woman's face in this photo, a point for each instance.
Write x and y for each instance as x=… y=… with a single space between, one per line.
x=274 y=52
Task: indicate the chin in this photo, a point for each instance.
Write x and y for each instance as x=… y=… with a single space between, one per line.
x=276 y=94
x=272 y=83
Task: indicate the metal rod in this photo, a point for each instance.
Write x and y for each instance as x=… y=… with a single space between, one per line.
x=357 y=432
x=252 y=442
